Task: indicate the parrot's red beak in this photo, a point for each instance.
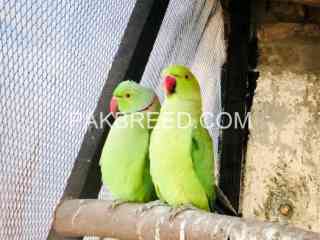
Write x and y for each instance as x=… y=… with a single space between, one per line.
x=113 y=107
x=169 y=85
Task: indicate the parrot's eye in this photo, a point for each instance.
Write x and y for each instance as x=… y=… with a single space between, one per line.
x=186 y=76
x=127 y=95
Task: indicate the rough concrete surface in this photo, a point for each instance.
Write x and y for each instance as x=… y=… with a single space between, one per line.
x=282 y=168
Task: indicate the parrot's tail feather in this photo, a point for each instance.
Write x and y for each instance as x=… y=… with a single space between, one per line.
x=224 y=201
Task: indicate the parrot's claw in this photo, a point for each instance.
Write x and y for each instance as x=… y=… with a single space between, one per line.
x=148 y=206
x=174 y=212
x=116 y=203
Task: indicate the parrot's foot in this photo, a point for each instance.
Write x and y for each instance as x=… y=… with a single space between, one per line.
x=174 y=212
x=116 y=203
x=149 y=205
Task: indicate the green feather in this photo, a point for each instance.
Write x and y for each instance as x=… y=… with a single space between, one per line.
x=202 y=156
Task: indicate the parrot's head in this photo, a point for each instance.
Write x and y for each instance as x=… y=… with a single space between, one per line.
x=130 y=97
x=179 y=81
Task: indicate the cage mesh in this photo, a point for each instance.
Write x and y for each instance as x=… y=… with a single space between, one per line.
x=54 y=59
x=192 y=34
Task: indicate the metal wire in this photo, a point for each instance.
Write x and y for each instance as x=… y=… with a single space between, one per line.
x=54 y=59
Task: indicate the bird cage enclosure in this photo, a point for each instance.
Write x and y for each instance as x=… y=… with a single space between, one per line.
x=55 y=57
x=61 y=60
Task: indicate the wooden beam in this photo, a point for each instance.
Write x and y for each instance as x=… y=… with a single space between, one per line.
x=81 y=217
x=234 y=88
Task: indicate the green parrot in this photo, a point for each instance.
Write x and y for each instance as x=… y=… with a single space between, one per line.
x=125 y=156
x=181 y=151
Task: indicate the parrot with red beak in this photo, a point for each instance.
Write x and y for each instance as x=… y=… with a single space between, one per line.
x=181 y=153
x=125 y=156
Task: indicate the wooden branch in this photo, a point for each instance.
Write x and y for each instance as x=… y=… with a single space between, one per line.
x=75 y=218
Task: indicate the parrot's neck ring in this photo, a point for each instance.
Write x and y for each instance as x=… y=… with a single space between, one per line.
x=142 y=109
x=149 y=105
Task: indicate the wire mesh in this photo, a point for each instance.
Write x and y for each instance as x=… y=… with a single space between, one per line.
x=54 y=59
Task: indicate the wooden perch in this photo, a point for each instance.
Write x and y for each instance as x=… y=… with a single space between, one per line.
x=75 y=218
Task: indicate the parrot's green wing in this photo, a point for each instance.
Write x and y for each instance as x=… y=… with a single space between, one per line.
x=125 y=162
x=202 y=157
